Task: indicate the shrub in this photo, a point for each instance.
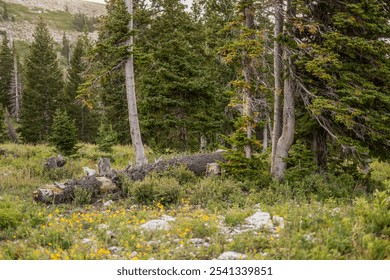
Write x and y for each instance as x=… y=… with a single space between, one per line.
x=215 y=192
x=106 y=138
x=9 y=218
x=64 y=134
x=82 y=196
x=153 y=188
x=237 y=216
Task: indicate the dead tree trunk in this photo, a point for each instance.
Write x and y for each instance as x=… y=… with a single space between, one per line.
x=278 y=65
x=284 y=143
x=135 y=132
x=248 y=77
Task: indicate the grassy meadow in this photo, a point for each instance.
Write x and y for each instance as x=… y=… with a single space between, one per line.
x=316 y=226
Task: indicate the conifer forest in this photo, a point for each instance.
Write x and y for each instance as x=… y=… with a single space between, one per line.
x=199 y=117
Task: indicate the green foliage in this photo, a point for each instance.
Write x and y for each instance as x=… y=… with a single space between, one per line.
x=42 y=87
x=106 y=138
x=86 y=118
x=215 y=193
x=6 y=62
x=82 y=196
x=254 y=169
x=237 y=216
x=300 y=162
x=84 y=23
x=9 y=218
x=153 y=189
x=64 y=135
x=3 y=129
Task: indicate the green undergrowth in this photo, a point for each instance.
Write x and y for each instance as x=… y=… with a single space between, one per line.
x=322 y=217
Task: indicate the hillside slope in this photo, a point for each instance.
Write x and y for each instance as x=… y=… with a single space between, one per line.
x=59 y=15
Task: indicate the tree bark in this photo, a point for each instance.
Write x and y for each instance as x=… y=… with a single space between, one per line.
x=248 y=77
x=286 y=139
x=135 y=131
x=278 y=65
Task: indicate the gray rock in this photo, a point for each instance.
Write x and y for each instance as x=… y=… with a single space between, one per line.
x=133 y=254
x=108 y=203
x=114 y=249
x=259 y=219
x=86 y=240
x=167 y=218
x=89 y=171
x=155 y=225
x=231 y=256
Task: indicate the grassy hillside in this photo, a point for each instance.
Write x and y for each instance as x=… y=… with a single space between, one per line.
x=209 y=216
x=61 y=20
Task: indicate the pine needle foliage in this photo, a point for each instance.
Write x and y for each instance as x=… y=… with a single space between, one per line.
x=64 y=134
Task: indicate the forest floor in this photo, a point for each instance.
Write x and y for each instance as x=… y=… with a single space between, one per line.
x=193 y=217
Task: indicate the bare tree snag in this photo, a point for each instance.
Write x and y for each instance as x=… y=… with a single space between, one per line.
x=284 y=143
x=278 y=65
x=135 y=131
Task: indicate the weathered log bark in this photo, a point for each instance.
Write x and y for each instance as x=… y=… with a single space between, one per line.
x=196 y=163
x=64 y=192
x=108 y=181
x=55 y=162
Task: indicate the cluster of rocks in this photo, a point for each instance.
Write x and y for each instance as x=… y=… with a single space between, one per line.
x=259 y=220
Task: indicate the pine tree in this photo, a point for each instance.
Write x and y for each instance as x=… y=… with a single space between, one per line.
x=6 y=62
x=86 y=119
x=343 y=71
x=3 y=127
x=63 y=135
x=65 y=50
x=178 y=96
x=43 y=85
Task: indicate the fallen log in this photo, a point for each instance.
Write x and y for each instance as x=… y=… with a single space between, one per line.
x=65 y=192
x=196 y=163
x=108 y=180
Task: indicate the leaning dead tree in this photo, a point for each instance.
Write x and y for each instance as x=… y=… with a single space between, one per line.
x=108 y=180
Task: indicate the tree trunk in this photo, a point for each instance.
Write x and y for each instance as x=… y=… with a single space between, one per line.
x=135 y=131
x=10 y=128
x=248 y=77
x=320 y=149
x=16 y=88
x=278 y=65
x=286 y=140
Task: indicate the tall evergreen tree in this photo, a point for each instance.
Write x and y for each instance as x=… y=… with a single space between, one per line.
x=6 y=62
x=86 y=119
x=343 y=72
x=65 y=50
x=178 y=96
x=43 y=85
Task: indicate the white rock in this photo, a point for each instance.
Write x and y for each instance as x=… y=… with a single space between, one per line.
x=86 y=240
x=108 y=203
x=155 y=225
x=259 y=219
x=133 y=254
x=167 y=218
x=231 y=256
x=114 y=249
x=88 y=171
